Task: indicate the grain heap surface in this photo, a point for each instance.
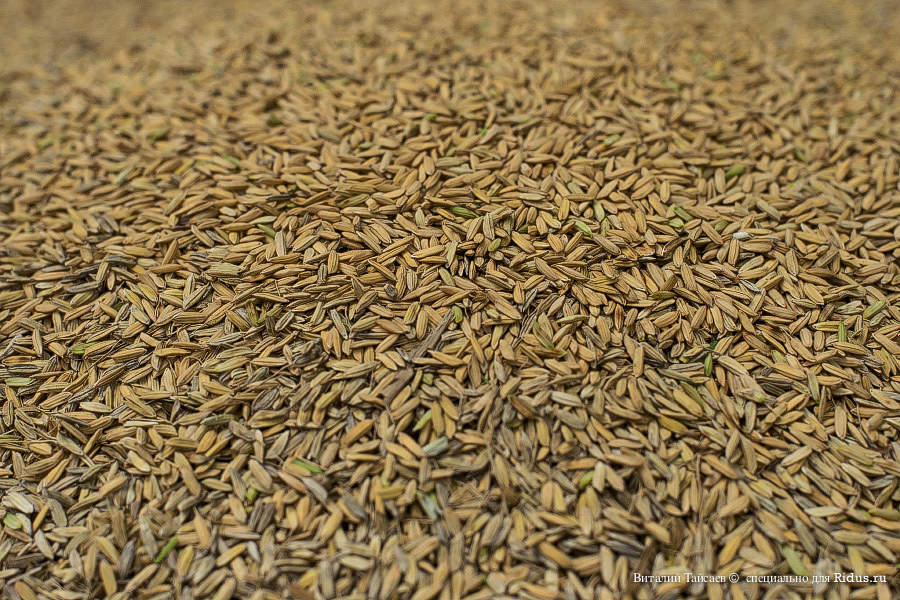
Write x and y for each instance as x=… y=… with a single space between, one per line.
x=432 y=300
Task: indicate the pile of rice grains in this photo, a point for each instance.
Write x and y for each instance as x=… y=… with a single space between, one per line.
x=434 y=300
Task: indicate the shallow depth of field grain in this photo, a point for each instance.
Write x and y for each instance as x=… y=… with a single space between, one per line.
x=448 y=300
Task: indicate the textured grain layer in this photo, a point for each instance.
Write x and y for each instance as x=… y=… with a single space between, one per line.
x=438 y=300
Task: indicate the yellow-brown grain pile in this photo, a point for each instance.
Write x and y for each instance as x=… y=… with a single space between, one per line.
x=441 y=300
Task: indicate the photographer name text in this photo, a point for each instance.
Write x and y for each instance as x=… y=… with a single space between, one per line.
x=772 y=579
